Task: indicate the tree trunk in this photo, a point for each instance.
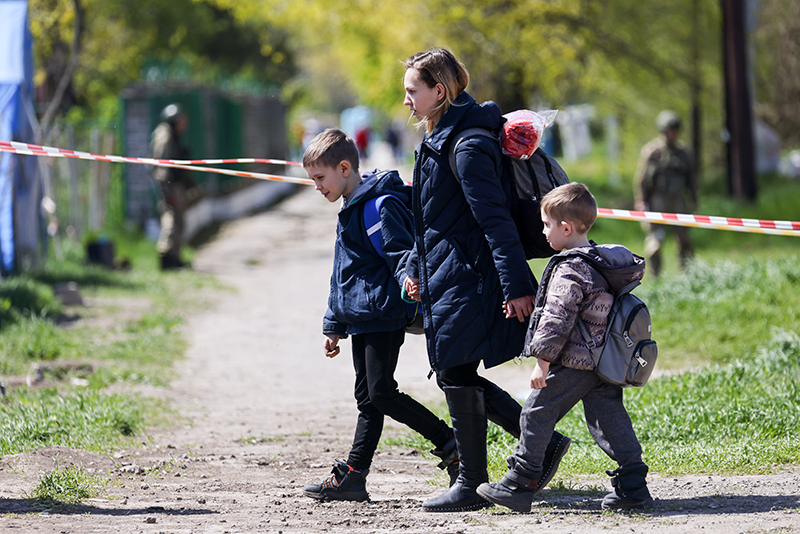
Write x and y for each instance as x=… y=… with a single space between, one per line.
x=741 y=164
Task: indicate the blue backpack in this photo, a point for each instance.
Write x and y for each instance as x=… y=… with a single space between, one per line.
x=372 y=222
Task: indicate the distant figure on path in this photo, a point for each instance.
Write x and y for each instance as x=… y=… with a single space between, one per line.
x=165 y=143
x=666 y=182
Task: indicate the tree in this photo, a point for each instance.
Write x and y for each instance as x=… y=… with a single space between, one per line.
x=63 y=60
x=87 y=51
x=777 y=67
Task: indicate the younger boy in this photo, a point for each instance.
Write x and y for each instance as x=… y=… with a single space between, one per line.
x=564 y=372
x=365 y=302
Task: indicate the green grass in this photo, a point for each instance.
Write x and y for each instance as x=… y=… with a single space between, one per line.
x=130 y=333
x=741 y=417
x=82 y=419
x=722 y=311
x=69 y=485
x=22 y=298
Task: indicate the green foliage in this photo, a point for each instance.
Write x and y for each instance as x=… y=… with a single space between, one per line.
x=719 y=312
x=33 y=340
x=777 y=200
x=69 y=485
x=72 y=266
x=87 y=420
x=122 y=42
x=128 y=333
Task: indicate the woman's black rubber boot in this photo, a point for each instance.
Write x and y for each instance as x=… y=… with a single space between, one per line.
x=468 y=413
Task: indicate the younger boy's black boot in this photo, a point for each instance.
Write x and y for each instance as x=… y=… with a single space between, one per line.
x=630 y=489
x=504 y=411
x=346 y=484
x=514 y=491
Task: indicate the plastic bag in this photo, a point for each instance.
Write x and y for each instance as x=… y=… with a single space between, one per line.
x=523 y=130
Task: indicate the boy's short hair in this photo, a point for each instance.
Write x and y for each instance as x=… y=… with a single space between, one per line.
x=571 y=202
x=329 y=148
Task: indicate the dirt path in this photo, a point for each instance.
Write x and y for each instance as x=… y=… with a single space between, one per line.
x=265 y=412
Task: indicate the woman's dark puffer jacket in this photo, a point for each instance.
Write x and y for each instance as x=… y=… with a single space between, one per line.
x=467 y=253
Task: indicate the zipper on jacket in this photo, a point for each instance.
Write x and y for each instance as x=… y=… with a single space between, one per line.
x=419 y=237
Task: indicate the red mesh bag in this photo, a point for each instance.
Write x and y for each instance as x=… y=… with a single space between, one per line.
x=523 y=130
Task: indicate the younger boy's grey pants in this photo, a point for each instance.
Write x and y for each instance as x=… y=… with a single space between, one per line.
x=606 y=417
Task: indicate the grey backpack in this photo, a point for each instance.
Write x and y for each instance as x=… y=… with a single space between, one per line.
x=628 y=353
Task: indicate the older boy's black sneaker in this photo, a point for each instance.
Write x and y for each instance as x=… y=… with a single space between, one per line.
x=346 y=484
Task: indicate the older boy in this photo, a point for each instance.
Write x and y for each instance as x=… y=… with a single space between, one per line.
x=564 y=372
x=365 y=302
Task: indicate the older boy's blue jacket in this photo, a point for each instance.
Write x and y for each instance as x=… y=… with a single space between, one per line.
x=467 y=253
x=365 y=287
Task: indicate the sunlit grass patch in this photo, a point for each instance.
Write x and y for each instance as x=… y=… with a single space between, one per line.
x=721 y=311
x=69 y=485
x=735 y=418
x=85 y=419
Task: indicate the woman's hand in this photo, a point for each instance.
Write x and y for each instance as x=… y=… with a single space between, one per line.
x=520 y=308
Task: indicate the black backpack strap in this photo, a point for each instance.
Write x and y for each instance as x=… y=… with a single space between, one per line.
x=587 y=337
x=461 y=136
x=628 y=288
x=548 y=166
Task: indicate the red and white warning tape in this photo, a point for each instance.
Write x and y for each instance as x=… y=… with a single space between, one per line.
x=26 y=149
x=789 y=228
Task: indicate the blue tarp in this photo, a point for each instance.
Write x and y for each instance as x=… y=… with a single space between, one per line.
x=20 y=187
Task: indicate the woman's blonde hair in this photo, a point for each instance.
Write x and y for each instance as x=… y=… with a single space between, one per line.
x=439 y=65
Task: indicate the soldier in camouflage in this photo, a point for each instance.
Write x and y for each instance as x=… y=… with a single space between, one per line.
x=666 y=182
x=165 y=143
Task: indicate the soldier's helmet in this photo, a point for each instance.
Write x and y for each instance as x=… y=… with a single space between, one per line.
x=171 y=113
x=667 y=119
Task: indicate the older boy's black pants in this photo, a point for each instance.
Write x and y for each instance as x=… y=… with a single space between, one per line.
x=375 y=360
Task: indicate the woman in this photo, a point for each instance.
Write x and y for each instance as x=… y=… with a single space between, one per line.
x=466 y=267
